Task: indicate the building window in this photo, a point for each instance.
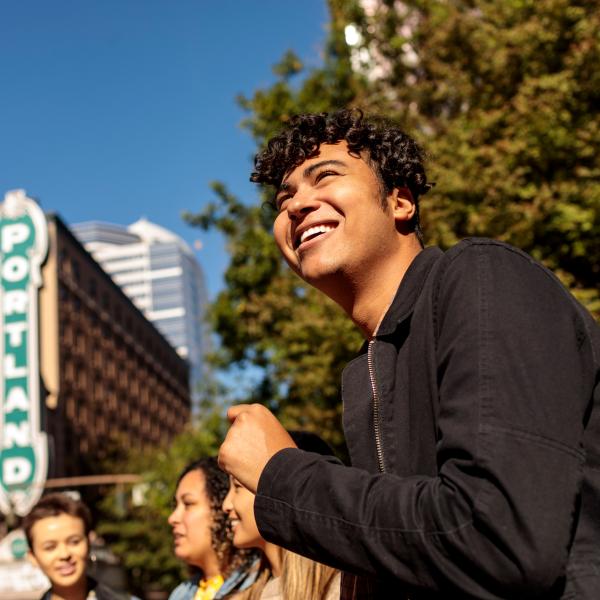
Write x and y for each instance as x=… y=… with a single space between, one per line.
x=75 y=272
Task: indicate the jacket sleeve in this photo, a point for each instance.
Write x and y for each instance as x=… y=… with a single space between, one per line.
x=498 y=519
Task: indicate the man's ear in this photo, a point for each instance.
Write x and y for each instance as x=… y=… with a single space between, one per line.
x=402 y=204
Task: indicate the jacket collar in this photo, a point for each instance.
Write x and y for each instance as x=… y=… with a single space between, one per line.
x=409 y=289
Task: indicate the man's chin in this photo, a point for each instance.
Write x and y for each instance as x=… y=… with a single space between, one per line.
x=318 y=274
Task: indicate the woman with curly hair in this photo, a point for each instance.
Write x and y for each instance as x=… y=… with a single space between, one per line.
x=202 y=537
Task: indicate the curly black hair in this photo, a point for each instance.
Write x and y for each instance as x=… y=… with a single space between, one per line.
x=395 y=157
x=216 y=486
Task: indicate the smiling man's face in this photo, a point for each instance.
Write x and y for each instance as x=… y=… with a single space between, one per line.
x=331 y=223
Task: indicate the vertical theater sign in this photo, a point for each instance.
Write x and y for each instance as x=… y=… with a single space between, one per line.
x=23 y=445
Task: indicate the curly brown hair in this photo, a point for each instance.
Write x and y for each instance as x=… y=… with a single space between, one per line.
x=216 y=486
x=396 y=159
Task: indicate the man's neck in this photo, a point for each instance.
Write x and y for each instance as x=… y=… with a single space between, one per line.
x=373 y=298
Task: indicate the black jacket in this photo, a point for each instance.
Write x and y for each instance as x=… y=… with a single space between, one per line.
x=97 y=591
x=485 y=372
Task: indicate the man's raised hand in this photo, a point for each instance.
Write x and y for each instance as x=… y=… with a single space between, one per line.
x=254 y=437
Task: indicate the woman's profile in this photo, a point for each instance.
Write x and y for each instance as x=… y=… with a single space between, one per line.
x=202 y=536
x=282 y=575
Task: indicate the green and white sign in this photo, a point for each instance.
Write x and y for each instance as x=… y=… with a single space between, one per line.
x=23 y=446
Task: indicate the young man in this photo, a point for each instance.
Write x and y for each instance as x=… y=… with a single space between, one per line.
x=57 y=529
x=471 y=416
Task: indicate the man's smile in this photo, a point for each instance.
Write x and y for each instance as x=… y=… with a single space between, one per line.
x=306 y=233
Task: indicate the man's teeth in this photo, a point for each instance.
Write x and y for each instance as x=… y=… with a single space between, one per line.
x=317 y=229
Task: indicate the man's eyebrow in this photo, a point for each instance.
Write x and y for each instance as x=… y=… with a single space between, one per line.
x=285 y=186
x=312 y=168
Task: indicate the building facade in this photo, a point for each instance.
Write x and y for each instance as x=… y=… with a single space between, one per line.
x=108 y=380
x=161 y=275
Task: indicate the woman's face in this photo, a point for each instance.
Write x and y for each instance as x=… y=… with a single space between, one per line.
x=60 y=548
x=239 y=506
x=192 y=521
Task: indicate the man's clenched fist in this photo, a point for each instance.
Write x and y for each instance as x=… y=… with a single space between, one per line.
x=254 y=437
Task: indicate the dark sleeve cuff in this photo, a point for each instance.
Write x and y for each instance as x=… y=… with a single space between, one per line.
x=279 y=463
x=282 y=483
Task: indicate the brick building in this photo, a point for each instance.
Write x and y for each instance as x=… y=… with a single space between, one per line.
x=116 y=380
x=108 y=380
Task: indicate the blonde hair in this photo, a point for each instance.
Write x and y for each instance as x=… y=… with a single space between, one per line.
x=254 y=592
x=301 y=578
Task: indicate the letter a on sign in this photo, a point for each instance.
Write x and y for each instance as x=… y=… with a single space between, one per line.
x=23 y=446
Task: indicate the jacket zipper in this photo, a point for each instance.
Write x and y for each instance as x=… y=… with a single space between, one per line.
x=376 y=414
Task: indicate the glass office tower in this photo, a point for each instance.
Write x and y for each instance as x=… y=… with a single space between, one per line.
x=161 y=275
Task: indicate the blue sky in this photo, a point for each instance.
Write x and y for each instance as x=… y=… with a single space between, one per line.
x=117 y=109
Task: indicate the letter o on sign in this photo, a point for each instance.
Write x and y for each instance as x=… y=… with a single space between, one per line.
x=15 y=268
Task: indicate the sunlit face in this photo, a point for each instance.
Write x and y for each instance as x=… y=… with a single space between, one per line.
x=239 y=506
x=60 y=549
x=331 y=224
x=192 y=521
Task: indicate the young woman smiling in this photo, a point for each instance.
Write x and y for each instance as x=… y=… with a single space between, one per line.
x=57 y=529
x=282 y=575
x=202 y=537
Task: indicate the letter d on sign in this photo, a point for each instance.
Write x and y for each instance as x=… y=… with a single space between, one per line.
x=15 y=470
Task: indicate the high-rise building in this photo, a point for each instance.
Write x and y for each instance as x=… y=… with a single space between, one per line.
x=161 y=275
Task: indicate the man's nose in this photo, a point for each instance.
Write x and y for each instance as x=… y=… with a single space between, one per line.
x=303 y=202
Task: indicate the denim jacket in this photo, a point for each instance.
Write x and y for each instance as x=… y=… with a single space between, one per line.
x=473 y=425
x=239 y=580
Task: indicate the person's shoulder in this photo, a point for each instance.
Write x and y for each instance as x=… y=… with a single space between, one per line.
x=471 y=254
x=185 y=590
x=486 y=246
x=241 y=579
x=475 y=260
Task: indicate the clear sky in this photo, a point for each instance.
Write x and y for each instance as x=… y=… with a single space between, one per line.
x=116 y=109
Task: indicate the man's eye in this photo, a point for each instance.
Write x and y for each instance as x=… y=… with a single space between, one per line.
x=323 y=174
x=281 y=202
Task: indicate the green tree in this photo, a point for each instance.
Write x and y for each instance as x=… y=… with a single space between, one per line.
x=503 y=96
x=266 y=317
